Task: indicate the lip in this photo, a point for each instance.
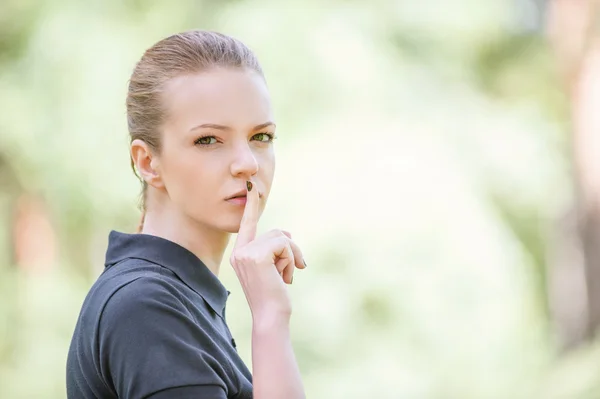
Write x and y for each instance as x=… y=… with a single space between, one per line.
x=240 y=195
x=238 y=200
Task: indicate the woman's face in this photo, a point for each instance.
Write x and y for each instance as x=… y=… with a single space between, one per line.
x=217 y=135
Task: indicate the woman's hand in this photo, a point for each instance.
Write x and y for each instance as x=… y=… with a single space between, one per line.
x=264 y=263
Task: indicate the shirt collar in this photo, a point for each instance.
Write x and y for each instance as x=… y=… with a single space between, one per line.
x=174 y=257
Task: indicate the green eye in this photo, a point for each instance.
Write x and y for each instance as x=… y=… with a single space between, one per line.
x=264 y=137
x=207 y=140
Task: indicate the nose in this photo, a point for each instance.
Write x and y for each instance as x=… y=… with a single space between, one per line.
x=244 y=162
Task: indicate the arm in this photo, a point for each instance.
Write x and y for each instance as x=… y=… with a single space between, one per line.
x=263 y=265
x=150 y=346
x=275 y=372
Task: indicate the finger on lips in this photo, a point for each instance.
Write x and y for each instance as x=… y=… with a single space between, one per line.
x=289 y=256
x=248 y=225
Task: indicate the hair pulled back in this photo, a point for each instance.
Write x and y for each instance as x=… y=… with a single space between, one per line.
x=180 y=54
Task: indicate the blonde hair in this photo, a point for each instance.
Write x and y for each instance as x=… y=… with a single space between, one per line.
x=183 y=53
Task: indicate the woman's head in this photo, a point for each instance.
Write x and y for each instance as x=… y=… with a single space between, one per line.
x=200 y=121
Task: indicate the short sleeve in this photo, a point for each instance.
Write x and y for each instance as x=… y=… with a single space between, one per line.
x=150 y=346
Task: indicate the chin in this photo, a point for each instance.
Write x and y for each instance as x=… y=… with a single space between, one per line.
x=231 y=228
x=228 y=226
x=225 y=222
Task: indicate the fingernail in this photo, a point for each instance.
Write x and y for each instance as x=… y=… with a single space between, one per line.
x=249 y=185
x=305 y=265
x=292 y=280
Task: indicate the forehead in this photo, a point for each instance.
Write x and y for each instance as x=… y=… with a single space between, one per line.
x=236 y=98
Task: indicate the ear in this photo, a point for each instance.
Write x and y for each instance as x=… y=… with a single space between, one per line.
x=146 y=163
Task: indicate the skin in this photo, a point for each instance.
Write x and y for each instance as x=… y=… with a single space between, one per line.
x=216 y=140
x=258 y=263
x=189 y=182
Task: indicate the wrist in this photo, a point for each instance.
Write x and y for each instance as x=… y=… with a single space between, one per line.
x=270 y=321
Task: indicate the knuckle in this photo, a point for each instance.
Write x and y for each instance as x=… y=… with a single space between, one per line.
x=284 y=241
x=241 y=257
x=280 y=233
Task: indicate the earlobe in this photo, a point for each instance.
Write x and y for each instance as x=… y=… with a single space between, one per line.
x=146 y=163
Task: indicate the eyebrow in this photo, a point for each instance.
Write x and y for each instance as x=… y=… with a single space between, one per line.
x=226 y=128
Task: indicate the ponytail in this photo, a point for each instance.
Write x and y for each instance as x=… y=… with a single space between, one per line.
x=141 y=223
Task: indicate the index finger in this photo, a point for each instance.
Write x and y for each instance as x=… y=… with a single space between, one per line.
x=247 y=231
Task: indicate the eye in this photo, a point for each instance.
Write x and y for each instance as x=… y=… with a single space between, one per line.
x=264 y=137
x=206 y=140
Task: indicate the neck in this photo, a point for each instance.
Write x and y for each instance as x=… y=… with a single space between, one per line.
x=206 y=243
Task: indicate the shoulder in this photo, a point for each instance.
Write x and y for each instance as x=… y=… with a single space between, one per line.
x=126 y=278
x=146 y=327
x=121 y=279
x=141 y=298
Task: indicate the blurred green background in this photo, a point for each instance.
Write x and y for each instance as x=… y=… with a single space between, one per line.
x=436 y=163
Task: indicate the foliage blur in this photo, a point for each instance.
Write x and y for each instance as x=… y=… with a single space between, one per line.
x=425 y=166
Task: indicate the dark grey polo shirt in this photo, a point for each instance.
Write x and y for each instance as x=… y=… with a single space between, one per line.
x=153 y=326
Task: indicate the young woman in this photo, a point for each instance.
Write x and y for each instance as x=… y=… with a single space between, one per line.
x=153 y=324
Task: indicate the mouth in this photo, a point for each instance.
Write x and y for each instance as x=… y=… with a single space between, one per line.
x=241 y=195
x=239 y=201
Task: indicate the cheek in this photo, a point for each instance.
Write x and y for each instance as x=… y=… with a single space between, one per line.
x=266 y=161
x=179 y=167
x=267 y=172
x=189 y=171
